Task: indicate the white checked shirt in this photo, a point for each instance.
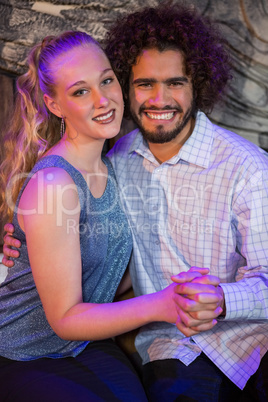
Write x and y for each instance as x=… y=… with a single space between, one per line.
x=208 y=207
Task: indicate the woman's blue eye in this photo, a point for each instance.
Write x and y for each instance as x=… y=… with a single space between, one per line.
x=80 y=92
x=107 y=81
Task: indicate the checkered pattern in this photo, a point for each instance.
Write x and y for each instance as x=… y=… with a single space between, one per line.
x=208 y=207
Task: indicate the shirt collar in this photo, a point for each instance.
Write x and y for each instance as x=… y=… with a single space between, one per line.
x=196 y=150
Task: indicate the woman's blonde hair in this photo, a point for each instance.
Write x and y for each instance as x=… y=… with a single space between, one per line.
x=33 y=129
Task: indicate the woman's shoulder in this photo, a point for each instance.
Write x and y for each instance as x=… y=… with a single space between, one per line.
x=49 y=174
x=46 y=185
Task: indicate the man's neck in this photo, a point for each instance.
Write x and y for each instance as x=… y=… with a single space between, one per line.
x=164 y=152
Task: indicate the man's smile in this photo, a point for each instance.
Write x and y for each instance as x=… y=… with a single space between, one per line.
x=160 y=115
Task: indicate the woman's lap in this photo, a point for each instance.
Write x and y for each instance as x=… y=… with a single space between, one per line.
x=101 y=372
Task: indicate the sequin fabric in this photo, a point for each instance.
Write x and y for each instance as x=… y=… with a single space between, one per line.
x=106 y=245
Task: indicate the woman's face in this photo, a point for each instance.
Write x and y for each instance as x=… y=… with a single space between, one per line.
x=88 y=94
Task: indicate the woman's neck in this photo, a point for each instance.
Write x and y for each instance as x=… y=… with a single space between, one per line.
x=83 y=156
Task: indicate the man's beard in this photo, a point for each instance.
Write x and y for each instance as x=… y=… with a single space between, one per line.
x=160 y=135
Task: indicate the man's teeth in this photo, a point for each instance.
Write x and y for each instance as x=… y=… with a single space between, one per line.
x=160 y=116
x=107 y=116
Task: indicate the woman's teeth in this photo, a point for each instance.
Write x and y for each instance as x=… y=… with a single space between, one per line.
x=105 y=117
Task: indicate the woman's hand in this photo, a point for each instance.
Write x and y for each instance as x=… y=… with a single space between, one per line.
x=165 y=304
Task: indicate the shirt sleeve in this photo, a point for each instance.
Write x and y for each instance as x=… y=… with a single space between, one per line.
x=247 y=298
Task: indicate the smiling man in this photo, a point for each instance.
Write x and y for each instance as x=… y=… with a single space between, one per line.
x=196 y=196
x=162 y=102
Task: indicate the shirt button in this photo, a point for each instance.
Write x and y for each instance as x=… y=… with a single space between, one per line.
x=157 y=242
x=155 y=208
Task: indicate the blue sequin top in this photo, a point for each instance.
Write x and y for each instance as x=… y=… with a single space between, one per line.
x=106 y=244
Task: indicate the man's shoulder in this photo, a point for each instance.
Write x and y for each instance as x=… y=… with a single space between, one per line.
x=239 y=147
x=123 y=144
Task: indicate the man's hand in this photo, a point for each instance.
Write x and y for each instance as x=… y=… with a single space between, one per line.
x=200 y=300
x=9 y=241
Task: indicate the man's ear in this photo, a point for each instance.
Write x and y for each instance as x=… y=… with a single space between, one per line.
x=52 y=105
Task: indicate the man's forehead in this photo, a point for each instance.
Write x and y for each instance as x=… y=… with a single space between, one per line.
x=154 y=52
x=153 y=62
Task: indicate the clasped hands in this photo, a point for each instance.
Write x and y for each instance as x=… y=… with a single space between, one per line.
x=199 y=300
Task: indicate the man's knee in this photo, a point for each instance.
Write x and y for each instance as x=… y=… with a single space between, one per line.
x=170 y=380
x=256 y=388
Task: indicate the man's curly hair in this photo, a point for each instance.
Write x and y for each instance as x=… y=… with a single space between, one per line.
x=172 y=26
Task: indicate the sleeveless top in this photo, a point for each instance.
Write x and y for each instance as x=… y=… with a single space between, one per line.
x=106 y=244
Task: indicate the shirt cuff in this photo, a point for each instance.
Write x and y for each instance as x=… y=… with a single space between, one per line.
x=236 y=301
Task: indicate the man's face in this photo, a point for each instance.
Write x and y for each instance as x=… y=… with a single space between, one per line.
x=161 y=95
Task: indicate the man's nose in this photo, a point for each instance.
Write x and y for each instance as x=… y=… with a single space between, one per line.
x=159 y=96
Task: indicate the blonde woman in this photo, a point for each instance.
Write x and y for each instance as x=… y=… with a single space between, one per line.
x=76 y=242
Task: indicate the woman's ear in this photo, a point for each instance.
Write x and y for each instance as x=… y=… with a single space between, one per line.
x=52 y=105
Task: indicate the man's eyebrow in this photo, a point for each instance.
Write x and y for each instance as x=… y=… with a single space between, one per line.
x=176 y=79
x=144 y=80
x=153 y=80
